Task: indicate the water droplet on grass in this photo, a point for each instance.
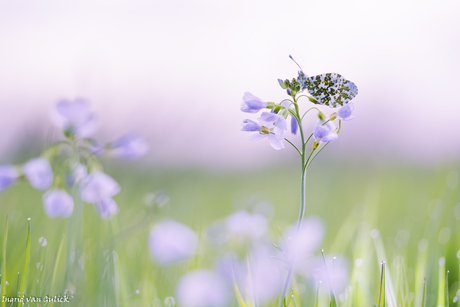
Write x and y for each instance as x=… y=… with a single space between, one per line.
x=375 y=233
x=42 y=241
x=442 y=261
x=359 y=262
x=422 y=245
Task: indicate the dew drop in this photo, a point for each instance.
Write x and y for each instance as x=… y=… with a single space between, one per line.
x=137 y=292
x=442 y=261
x=375 y=233
x=359 y=262
x=42 y=241
x=422 y=245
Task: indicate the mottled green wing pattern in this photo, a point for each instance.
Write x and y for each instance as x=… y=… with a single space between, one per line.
x=329 y=89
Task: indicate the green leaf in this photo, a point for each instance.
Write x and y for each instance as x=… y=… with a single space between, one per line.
x=382 y=287
x=25 y=271
x=4 y=262
x=446 y=290
x=56 y=264
x=333 y=297
x=424 y=292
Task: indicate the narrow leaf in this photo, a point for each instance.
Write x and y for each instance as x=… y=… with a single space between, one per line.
x=25 y=272
x=3 y=293
x=382 y=287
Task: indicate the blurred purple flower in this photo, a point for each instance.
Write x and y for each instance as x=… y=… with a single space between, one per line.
x=171 y=241
x=8 y=176
x=130 y=147
x=97 y=187
x=294 y=125
x=307 y=240
x=325 y=133
x=106 y=208
x=77 y=175
x=270 y=125
x=202 y=288
x=39 y=173
x=243 y=223
x=57 y=203
x=251 y=103
x=336 y=275
x=78 y=120
x=346 y=112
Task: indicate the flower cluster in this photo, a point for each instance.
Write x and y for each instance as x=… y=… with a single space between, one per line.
x=72 y=165
x=326 y=89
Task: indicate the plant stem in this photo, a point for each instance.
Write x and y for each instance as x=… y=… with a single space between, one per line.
x=302 y=205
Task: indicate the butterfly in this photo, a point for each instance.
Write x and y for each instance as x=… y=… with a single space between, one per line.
x=329 y=89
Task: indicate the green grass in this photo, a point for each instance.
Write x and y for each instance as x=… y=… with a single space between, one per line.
x=112 y=259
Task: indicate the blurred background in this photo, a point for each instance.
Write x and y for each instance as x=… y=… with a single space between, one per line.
x=176 y=71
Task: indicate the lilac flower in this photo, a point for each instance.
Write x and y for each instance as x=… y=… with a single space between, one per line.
x=202 y=288
x=57 y=203
x=8 y=176
x=336 y=275
x=171 y=241
x=294 y=125
x=106 y=208
x=98 y=187
x=243 y=223
x=307 y=240
x=252 y=104
x=39 y=173
x=130 y=147
x=346 y=112
x=77 y=118
x=271 y=125
x=325 y=132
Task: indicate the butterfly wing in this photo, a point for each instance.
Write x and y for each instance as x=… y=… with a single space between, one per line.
x=330 y=89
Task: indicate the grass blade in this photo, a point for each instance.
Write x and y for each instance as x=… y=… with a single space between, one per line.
x=3 y=293
x=333 y=297
x=56 y=264
x=446 y=290
x=441 y=282
x=382 y=287
x=317 y=294
x=25 y=272
x=424 y=292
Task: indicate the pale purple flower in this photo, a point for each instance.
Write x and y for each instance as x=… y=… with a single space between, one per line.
x=171 y=241
x=106 y=208
x=202 y=288
x=308 y=239
x=77 y=117
x=260 y=276
x=98 y=186
x=57 y=203
x=8 y=176
x=294 y=125
x=346 y=112
x=325 y=132
x=39 y=173
x=251 y=103
x=243 y=223
x=336 y=275
x=130 y=147
x=271 y=125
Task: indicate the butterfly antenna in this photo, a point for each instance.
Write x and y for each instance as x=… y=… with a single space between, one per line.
x=295 y=62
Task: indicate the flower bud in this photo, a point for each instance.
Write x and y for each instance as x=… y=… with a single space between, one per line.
x=321 y=116
x=289 y=91
x=315 y=145
x=313 y=100
x=282 y=84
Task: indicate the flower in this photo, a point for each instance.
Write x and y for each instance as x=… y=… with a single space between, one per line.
x=270 y=125
x=243 y=223
x=8 y=176
x=57 y=203
x=130 y=147
x=252 y=104
x=324 y=132
x=77 y=118
x=39 y=173
x=106 y=208
x=98 y=187
x=303 y=244
x=171 y=241
x=294 y=125
x=346 y=112
x=202 y=288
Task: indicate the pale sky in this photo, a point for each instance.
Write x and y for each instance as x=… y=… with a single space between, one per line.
x=176 y=71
